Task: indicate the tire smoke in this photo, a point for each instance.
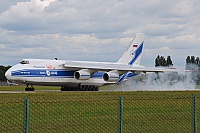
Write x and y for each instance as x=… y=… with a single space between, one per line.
x=168 y=81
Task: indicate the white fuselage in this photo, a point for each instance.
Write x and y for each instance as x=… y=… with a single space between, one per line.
x=52 y=73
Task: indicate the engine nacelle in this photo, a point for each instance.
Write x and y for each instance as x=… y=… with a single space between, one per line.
x=83 y=74
x=111 y=76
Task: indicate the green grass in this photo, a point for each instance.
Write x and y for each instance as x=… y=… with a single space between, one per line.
x=159 y=111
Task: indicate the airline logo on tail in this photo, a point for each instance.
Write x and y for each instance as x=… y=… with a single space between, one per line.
x=132 y=53
x=135 y=54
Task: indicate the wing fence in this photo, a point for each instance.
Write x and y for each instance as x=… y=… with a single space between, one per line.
x=107 y=113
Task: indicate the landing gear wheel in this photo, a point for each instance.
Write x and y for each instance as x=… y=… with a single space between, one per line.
x=80 y=88
x=62 y=88
x=26 y=89
x=88 y=88
x=29 y=88
x=32 y=89
x=96 y=88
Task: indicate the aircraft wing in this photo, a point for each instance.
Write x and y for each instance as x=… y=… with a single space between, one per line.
x=102 y=66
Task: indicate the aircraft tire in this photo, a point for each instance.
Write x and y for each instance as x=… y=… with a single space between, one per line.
x=84 y=88
x=88 y=88
x=96 y=88
x=26 y=89
x=63 y=88
x=29 y=89
x=81 y=88
x=93 y=88
x=32 y=89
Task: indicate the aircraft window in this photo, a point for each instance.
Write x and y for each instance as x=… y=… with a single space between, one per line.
x=24 y=62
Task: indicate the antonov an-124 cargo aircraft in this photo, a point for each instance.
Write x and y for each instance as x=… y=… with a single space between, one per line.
x=81 y=75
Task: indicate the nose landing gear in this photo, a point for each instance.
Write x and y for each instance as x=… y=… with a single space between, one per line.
x=29 y=88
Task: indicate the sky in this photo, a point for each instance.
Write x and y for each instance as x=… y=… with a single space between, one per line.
x=98 y=30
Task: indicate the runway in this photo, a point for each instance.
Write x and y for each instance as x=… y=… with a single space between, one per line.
x=111 y=90
x=49 y=91
x=36 y=91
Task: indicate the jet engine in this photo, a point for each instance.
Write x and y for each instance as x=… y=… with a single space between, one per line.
x=83 y=74
x=111 y=76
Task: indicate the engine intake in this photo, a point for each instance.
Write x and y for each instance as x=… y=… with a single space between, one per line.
x=111 y=76
x=82 y=74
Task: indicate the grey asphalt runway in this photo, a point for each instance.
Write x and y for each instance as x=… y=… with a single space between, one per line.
x=37 y=91
x=113 y=90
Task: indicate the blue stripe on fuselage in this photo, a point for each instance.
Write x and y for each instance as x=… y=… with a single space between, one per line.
x=61 y=73
x=42 y=73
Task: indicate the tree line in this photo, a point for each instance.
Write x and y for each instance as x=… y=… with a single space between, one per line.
x=3 y=69
x=193 y=60
x=193 y=63
x=161 y=61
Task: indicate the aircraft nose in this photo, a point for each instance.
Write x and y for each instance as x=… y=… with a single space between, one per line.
x=8 y=74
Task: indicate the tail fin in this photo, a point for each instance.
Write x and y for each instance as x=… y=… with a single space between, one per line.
x=134 y=51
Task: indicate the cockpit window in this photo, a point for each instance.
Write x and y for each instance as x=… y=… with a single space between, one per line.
x=24 y=62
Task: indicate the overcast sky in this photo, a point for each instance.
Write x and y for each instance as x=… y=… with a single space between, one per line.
x=98 y=30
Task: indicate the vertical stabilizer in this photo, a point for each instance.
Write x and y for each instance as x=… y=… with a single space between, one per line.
x=132 y=55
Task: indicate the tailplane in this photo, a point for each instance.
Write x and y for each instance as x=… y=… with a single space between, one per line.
x=133 y=53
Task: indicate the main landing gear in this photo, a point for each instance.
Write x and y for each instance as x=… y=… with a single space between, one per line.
x=80 y=88
x=29 y=88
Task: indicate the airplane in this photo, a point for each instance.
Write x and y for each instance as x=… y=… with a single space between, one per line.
x=81 y=75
